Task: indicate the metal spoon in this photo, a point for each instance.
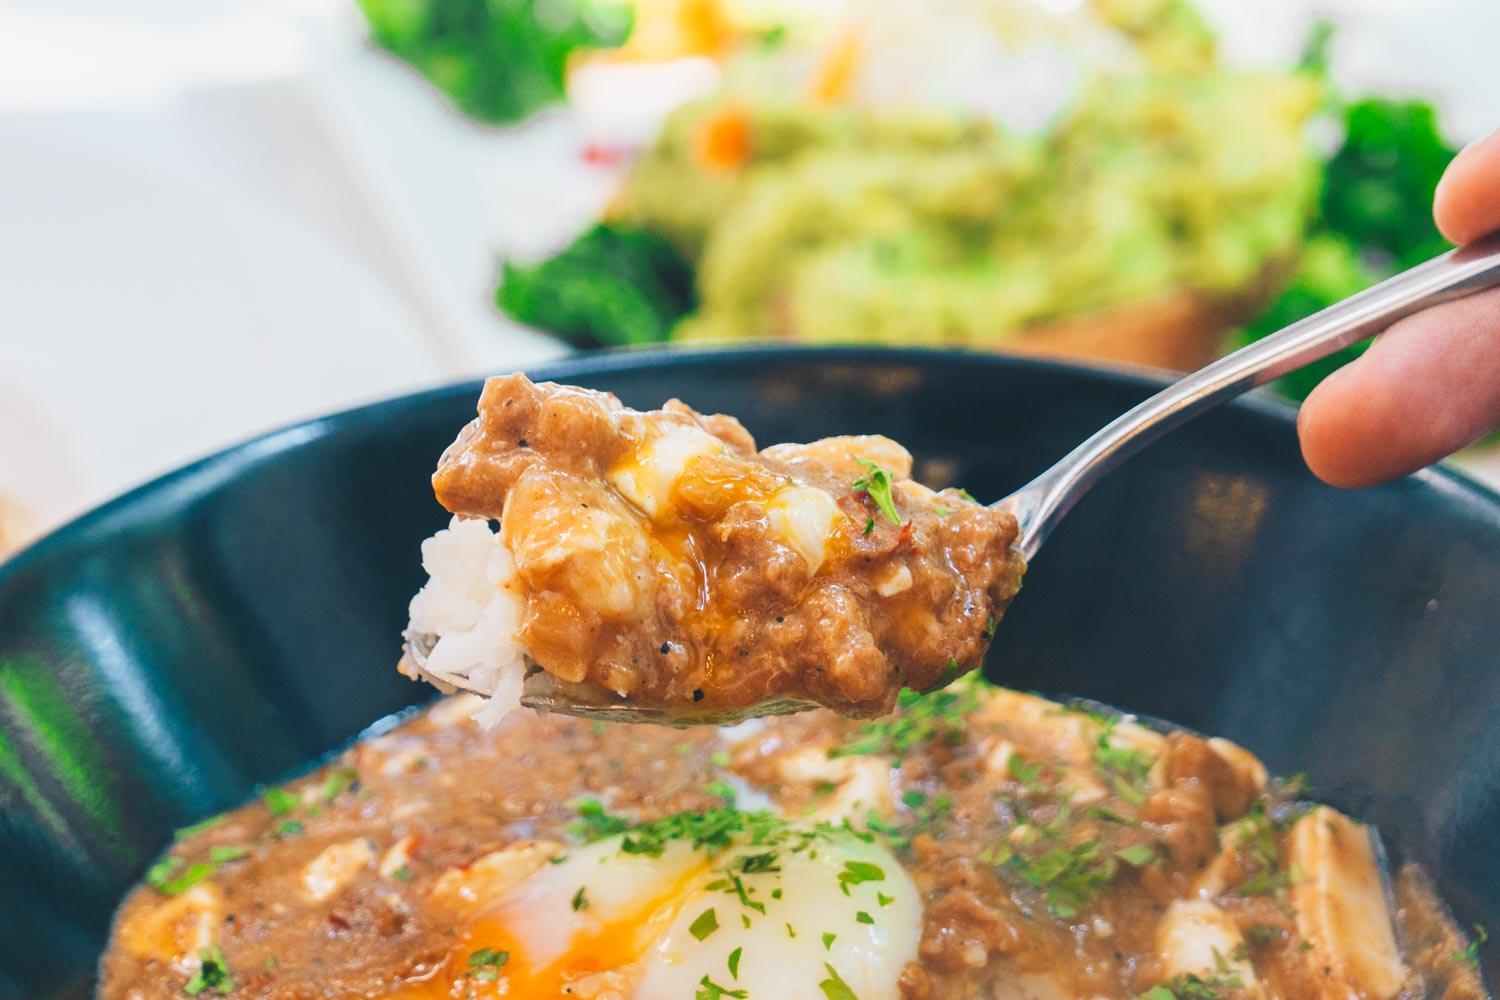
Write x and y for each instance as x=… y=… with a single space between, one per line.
x=1042 y=503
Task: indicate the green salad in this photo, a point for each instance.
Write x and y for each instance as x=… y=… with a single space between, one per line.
x=790 y=205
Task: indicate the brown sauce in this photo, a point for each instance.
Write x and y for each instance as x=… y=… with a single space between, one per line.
x=1052 y=851
x=705 y=575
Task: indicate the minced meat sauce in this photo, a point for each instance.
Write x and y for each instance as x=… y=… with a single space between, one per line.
x=1047 y=851
x=665 y=562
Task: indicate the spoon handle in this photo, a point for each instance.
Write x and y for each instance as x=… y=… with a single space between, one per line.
x=1043 y=502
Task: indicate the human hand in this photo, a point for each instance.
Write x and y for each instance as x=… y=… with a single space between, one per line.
x=1430 y=384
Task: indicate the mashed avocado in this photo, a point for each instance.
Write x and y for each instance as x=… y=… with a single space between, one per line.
x=834 y=223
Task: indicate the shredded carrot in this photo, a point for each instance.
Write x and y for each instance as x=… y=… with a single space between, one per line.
x=833 y=79
x=726 y=140
x=704 y=27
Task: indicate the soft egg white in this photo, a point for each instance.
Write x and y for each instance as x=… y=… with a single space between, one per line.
x=654 y=927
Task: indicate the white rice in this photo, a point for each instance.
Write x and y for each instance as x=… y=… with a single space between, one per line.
x=471 y=602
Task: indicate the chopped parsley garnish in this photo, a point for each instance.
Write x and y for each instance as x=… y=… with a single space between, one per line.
x=402 y=874
x=163 y=876
x=1470 y=955
x=718 y=829
x=966 y=495
x=289 y=829
x=834 y=987
x=1191 y=987
x=580 y=901
x=1259 y=847
x=919 y=719
x=212 y=975
x=339 y=780
x=280 y=801
x=199 y=827
x=877 y=482
x=1124 y=769
x=224 y=855
x=828 y=939
x=722 y=790
x=756 y=864
x=884 y=900
x=710 y=990
x=1136 y=855
x=594 y=822
x=864 y=917
x=791 y=931
x=485 y=964
x=706 y=923
x=859 y=872
x=924 y=815
x=869 y=525
x=734 y=963
x=1263 y=934
x=1070 y=877
x=1025 y=773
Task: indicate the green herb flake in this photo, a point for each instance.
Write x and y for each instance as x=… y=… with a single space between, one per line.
x=1136 y=855
x=1191 y=987
x=1470 y=956
x=722 y=790
x=869 y=525
x=834 y=987
x=863 y=917
x=877 y=483
x=199 y=827
x=791 y=931
x=919 y=720
x=289 y=829
x=1262 y=934
x=710 y=990
x=594 y=822
x=913 y=798
x=339 y=780
x=402 y=874
x=828 y=939
x=212 y=975
x=580 y=901
x=1157 y=993
x=280 y=801
x=857 y=873
x=719 y=759
x=706 y=923
x=486 y=963
x=734 y=963
x=224 y=855
x=884 y=900
x=163 y=879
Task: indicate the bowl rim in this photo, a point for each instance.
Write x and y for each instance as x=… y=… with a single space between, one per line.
x=200 y=476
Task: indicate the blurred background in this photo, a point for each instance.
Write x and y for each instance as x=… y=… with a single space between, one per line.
x=217 y=217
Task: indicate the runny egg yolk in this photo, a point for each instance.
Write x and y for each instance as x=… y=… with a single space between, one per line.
x=604 y=922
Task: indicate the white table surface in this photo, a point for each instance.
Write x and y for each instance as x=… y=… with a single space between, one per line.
x=219 y=216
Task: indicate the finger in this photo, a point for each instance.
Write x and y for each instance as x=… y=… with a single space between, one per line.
x=1427 y=387
x=1466 y=204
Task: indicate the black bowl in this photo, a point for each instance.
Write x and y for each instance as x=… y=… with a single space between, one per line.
x=241 y=617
